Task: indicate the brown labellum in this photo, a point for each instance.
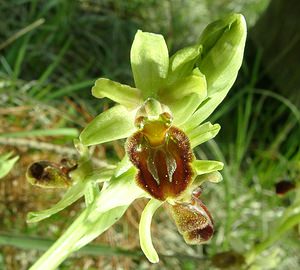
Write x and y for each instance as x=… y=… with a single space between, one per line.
x=163 y=156
x=48 y=174
x=193 y=221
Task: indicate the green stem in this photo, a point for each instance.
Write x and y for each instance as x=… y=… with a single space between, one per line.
x=101 y=214
x=69 y=242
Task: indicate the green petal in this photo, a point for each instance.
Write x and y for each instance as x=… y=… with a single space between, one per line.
x=145 y=230
x=184 y=96
x=120 y=93
x=149 y=62
x=203 y=133
x=113 y=124
x=182 y=62
x=182 y=109
x=206 y=108
x=72 y=195
x=194 y=83
x=207 y=166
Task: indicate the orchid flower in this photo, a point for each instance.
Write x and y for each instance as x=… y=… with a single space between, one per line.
x=161 y=119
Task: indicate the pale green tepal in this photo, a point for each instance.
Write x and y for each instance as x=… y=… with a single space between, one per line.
x=162 y=119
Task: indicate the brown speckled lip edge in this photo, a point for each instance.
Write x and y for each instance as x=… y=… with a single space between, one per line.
x=179 y=146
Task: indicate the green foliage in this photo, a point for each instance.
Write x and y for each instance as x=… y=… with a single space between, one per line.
x=6 y=163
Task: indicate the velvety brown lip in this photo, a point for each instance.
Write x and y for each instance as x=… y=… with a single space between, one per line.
x=164 y=171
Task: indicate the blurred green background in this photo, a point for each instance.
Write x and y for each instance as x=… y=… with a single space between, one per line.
x=52 y=51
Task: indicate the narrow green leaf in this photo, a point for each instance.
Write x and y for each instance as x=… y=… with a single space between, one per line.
x=72 y=195
x=69 y=90
x=50 y=69
x=207 y=166
x=149 y=62
x=145 y=230
x=73 y=132
x=113 y=124
x=203 y=133
x=120 y=93
x=7 y=163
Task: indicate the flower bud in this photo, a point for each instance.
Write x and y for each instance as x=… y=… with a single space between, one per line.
x=47 y=174
x=223 y=44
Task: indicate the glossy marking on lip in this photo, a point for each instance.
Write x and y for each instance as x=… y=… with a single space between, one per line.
x=163 y=157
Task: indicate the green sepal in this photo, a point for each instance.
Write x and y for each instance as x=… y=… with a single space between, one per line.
x=206 y=166
x=183 y=62
x=145 y=230
x=202 y=133
x=120 y=93
x=113 y=124
x=149 y=62
x=182 y=109
x=207 y=107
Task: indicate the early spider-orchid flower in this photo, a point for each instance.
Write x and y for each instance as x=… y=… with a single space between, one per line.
x=162 y=120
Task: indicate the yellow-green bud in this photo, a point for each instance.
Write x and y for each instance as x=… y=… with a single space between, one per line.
x=223 y=44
